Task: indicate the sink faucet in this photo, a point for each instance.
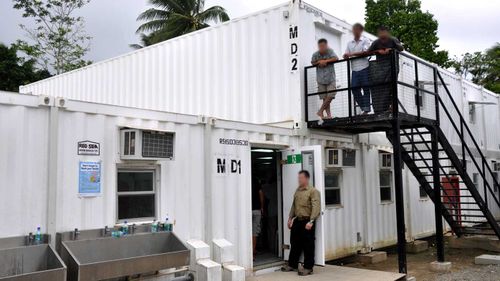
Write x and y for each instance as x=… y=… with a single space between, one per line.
x=31 y=238
x=106 y=231
x=76 y=233
x=132 y=228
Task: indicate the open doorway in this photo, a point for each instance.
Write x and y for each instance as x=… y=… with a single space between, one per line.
x=266 y=206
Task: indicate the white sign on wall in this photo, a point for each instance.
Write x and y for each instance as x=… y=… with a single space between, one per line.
x=89 y=148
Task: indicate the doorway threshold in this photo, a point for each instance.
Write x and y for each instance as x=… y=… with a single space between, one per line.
x=267 y=267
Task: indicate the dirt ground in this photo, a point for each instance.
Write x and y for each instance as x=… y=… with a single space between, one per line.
x=463 y=267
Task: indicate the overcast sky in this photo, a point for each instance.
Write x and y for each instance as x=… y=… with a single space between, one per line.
x=464 y=25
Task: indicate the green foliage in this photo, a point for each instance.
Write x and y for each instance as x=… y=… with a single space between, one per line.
x=416 y=29
x=172 y=18
x=58 y=40
x=484 y=67
x=16 y=71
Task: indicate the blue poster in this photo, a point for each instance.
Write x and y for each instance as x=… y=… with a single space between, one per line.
x=89 y=183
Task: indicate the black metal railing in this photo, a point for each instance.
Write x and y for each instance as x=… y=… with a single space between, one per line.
x=399 y=84
x=391 y=84
x=468 y=148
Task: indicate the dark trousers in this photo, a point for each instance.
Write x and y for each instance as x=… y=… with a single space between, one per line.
x=302 y=240
x=380 y=72
x=360 y=80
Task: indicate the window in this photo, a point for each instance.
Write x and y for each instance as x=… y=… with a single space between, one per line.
x=472 y=113
x=332 y=188
x=349 y=158
x=385 y=181
x=136 y=194
x=475 y=179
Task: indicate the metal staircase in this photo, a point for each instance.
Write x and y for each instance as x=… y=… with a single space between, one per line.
x=429 y=134
x=461 y=204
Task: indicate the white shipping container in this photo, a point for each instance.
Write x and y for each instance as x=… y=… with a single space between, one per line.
x=204 y=203
x=209 y=88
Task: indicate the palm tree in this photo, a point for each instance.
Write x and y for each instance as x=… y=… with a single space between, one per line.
x=172 y=18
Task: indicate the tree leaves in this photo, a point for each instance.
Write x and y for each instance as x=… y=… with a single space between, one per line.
x=416 y=29
x=58 y=41
x=483 y=67
x=16 y=71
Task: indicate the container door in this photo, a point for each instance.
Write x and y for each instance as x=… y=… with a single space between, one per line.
x=308 y=158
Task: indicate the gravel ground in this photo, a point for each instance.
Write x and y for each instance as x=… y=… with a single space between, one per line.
x=482 y=273
x=463 y=266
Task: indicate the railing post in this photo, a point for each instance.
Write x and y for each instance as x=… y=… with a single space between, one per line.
x=306 y=91
x=394 y=84
x=437 y=197
x=349 y=90
x=436 y=95
x=484 y=183
x=464 y=163
x=417 y=94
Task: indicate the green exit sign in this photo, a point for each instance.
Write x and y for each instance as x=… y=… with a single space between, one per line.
x=294 y=159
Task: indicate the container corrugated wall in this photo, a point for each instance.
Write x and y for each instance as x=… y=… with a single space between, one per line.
x=236 y=71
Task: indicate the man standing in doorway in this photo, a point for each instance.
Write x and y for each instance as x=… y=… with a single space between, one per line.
x=305 y=210
x=359 y=67
x=325 y=76
x=380 y=71
x=257 y=212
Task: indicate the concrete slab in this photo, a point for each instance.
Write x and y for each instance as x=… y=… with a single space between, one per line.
x=373 y=257
x=487 y=259
x=417 y=246
x=440 y=266
x=332 y=273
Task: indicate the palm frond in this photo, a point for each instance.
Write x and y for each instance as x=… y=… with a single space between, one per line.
x=215 y=14
x=153 y=14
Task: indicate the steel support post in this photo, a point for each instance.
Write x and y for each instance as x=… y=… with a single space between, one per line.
x=437 y=196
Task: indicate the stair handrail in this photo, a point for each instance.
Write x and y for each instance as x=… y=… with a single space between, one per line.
x=464 y=144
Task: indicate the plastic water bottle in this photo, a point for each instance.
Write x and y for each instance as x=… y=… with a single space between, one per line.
x=154 y=226
x=38 y=235
x=125 y=228
x=167 y=224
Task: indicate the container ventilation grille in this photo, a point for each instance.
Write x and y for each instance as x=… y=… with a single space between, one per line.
x=157 y=144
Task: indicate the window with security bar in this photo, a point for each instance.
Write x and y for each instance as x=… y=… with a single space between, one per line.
x=136 y=194
x=332 y=188
x=157 y=144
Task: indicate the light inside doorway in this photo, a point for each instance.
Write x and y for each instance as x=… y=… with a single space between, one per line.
x=266 y=195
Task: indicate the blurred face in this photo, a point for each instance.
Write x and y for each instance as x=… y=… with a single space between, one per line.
x=384 y=35
x=357 y=31
x=303 y=180
x=322 y=47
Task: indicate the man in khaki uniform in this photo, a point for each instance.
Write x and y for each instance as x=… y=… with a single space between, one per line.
x=306 y=208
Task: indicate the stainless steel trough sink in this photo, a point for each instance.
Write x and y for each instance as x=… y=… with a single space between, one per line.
x=106 y=258
x=31 y=263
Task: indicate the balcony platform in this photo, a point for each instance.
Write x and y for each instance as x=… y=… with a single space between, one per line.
x=369 y=123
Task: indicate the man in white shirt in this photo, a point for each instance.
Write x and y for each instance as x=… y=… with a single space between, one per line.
x=360 y=67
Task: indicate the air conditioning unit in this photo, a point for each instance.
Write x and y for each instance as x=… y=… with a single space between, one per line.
x=385 y=160
x=496 y=166
x=138 y=144
x=333 y=157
